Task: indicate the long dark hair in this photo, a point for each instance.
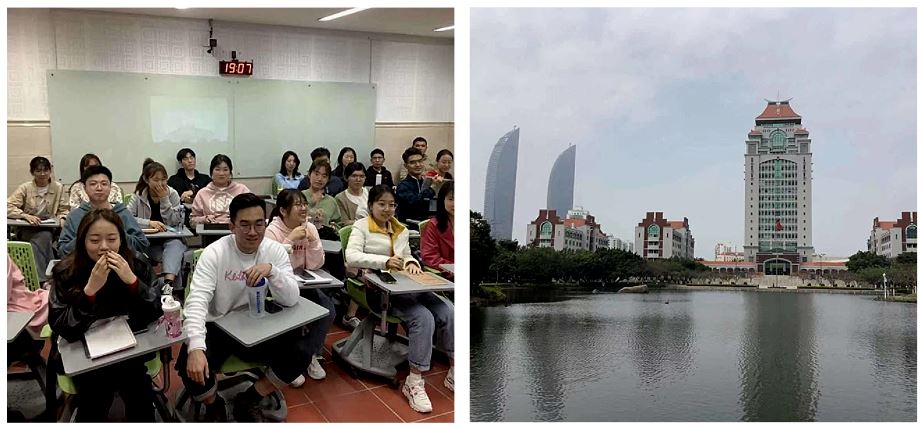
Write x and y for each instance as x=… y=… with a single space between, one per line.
x=442 y=216
x=285 y=158
x=148 y=170
x=84 y=161
x=339 y=169
x=78 y=263
x=285 y=200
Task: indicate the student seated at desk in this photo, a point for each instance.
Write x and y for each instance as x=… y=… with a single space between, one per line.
x=20 y=299
x=157 y=206
x=413 y=193
x=97 y=179
x=437 y=245
x=334 y=185
x=290 y=225
x=353 y=201
x=377 y=157
x=444 y=160
x=219 y=285
x=322 y=208
x=77 y=193
x=381 y=242
x=36 y=200
x=211 y=203
x=104 y=278
x=187 y=181
x=288 y=176
x=347 y=156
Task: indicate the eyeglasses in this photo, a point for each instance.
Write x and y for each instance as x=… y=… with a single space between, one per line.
x=256 y=227
x=299 y=204
x=383 y=205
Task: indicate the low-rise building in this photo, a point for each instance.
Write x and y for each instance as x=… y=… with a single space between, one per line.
x=891 y=238
x=659 y=238
x=577 y=231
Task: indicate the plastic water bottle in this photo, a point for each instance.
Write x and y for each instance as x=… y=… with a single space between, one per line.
x=258 y=299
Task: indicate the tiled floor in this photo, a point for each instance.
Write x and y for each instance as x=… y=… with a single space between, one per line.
x=341 y=398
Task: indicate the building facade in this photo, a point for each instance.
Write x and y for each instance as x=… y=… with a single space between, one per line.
x=659 y=238
x=891 y=238
x=778 y=181
x=500 y=188
x=561 y=181
x=577 y=231
x=727 y=253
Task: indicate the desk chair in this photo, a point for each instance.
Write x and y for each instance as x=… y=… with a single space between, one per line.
x=368 y=350
x=21 y=253
x=236 y=373
x=422 y=226
x=20 y=350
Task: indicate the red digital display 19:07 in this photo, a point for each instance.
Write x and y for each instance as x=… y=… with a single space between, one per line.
x=236 y=68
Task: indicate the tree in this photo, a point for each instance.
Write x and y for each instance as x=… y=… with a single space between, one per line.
x=863 y=260
x=483 y=249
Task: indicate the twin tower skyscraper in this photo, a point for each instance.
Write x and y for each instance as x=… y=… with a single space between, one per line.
x=500 y=188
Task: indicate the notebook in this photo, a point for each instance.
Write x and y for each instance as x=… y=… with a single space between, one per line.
x=307 y=277
x=108 y=337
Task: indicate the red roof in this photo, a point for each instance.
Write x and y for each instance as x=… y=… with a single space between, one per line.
x=677 y=224
x=755 y=132
x=778 y=111
x=715 y=263
x=801 y=131
x=818 y=264
x=886 y=224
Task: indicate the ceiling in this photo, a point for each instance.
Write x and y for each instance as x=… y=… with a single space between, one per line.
x=416 y=22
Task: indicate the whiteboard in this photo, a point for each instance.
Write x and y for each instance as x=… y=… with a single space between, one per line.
x=126 y=117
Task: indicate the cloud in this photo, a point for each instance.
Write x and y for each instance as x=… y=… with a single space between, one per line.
x=659 y=102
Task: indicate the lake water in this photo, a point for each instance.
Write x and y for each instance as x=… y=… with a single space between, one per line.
x=704 y=356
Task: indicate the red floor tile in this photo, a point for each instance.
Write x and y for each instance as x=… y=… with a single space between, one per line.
x=336 y=384
x=448 y=417
x=304 y=413
x=332 y=338
x=398 y=403
x=358 y=407
x=437 y=381
x=295 y=396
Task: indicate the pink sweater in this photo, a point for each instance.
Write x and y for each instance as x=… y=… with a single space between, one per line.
x=213 y=203
x=437 y=248
x=305 y=254
x=20 y=299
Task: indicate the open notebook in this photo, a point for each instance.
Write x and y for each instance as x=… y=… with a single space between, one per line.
x=309 y=278
x=108 y=336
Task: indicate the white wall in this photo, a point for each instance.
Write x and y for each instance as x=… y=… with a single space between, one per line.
x=415 y=76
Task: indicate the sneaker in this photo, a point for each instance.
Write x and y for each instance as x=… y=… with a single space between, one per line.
x=217 y=411
x=416 y=395
x=297 y=382
x=247 y=409
x=167 y=288
x=449 y=381
x=315 y=371
x=351 y=322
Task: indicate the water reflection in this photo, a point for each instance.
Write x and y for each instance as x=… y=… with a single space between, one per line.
x=778 y=358
x=490 y=351
x=661 y=342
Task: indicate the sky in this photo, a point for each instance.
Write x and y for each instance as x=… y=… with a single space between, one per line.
x=659 y=103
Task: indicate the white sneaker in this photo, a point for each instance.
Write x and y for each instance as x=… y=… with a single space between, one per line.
x=315 y=371
x=449 y=381
x=297 y=382
x=351 y=322
x=415 y=392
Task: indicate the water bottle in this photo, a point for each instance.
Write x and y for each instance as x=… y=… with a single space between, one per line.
x=258 y=299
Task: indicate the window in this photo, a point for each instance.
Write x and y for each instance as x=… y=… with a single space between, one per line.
x=912 y=231
x=653 y=231
x=546 y=229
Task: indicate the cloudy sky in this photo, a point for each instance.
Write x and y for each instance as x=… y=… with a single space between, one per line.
x=659 y=103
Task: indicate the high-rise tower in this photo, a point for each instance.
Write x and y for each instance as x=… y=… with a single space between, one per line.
x=500 y=189
x=561 y=181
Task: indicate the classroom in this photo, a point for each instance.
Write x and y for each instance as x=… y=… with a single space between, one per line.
x=230 y=215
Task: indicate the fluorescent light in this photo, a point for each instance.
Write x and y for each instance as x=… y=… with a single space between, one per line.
x=182 y=7
x=451 y=27
x=343 y=13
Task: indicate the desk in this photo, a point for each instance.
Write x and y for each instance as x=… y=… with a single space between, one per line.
x=182 y=233
x=331 y=246
x=15 y=322
x=404 y=285
x=448 y=267
x=18 y=222
x=334 y=283
x=201 y=230
x=253 y=331
x=76 y=362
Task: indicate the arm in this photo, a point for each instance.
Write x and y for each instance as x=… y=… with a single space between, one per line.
x=144 y=303
x=66 y=241
x=356 y=256
x=407 y=195
x=402 y=249
x=133 y=209
x=429 y=247
x=282 y=282
x=343 y=209
x=314 y=250
x=169 y=209
x=16 y=202
x=198 y=214
x=63 y=208
x=334 y=214
x=136 y=239
x=201 y=293
x=70 y=312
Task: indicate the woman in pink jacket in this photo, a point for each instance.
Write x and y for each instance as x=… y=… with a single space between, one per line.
x=290 y=226
x=437 y=245
x=20 y=299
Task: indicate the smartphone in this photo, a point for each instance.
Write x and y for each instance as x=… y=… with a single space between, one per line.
x=272 y=307
x=386 y=278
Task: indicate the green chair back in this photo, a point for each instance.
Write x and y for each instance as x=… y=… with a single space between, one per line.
x=422 y=226
x=21 y=253
x=195 y=259
x=275 y=187
x=126 y=199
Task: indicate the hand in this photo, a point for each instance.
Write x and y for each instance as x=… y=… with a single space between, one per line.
x=158 y=225
x=31 y=219
x=413 y=269
x=187 y=196
x=319 y=216
x=98 y=276
x=437 y=182
x=256 y=272
x=298 y=234
x=121 y=268
x=395 y=262
x=197 y=366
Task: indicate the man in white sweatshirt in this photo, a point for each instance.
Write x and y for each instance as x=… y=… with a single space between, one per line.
x=219 y=285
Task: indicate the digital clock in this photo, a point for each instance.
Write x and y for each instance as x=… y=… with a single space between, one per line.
x=235 y=68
